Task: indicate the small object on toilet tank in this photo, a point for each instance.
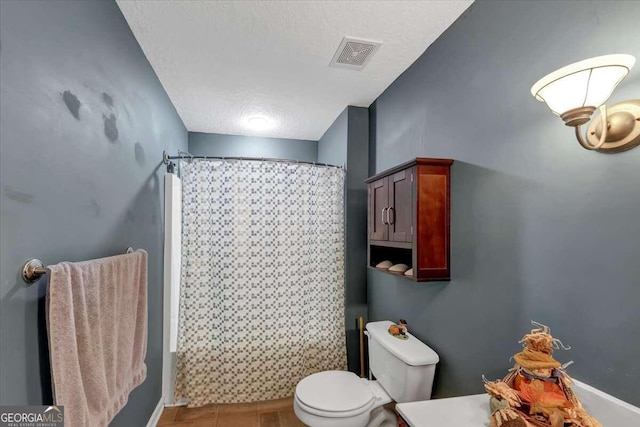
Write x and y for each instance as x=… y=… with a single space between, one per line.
x=400 y=330
x=403 y=326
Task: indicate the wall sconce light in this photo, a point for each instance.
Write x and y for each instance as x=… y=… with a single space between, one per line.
x=575 y=91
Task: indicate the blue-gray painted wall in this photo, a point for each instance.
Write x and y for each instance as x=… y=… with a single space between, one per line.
x=346 y=142
x=221 y=145
x=332 y=147
x=540 y=228
x=83 y=124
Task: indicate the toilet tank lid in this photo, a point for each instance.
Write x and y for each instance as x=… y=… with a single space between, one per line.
x=411 y=351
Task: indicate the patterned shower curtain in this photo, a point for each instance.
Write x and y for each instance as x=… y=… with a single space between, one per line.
x=262 y=287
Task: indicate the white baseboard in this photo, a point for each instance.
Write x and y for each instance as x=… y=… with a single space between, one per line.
x=155 y=416
x=181 y=402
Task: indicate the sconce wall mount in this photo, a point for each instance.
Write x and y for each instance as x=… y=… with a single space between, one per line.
x=574 y=93
x=623 y=128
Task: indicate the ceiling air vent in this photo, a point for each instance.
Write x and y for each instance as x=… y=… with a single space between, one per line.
x=354 y=54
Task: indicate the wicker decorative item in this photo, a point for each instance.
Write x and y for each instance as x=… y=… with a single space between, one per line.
x=536 y=392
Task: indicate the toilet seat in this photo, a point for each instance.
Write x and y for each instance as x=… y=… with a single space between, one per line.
x=334 y=394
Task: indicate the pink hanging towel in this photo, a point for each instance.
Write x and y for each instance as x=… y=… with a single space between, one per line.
x=97 y=325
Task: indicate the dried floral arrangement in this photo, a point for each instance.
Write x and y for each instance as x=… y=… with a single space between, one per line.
x=537 y=391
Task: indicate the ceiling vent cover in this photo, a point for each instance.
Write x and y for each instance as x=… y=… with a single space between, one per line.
x=354 y=54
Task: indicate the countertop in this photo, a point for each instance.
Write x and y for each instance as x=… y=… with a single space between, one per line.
x=473 y=410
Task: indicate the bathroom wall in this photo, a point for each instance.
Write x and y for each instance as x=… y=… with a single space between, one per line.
x=346 y=142
x=220 y=145
x=541 y=228
x=84 y=122
x=332 y=147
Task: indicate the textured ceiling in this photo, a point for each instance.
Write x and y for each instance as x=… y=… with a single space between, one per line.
x=223 y=61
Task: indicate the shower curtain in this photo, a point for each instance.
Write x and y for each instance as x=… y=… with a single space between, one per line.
x=262 y=287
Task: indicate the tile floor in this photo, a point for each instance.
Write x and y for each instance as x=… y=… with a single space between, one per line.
x=271 y=413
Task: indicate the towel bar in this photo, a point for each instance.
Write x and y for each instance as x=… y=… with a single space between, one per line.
x=33 y=269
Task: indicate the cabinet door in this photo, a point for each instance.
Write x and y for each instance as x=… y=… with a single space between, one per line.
x=400 y=216
x=378 y=207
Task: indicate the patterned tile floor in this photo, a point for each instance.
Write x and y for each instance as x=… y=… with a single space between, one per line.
x=271 y=413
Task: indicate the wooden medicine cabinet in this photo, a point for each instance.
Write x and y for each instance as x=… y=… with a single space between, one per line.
x=409 y=218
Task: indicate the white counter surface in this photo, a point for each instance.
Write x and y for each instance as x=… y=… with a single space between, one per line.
x=473 y=410
x=465 y=411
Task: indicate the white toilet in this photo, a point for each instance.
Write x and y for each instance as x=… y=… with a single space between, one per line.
x=404 y=370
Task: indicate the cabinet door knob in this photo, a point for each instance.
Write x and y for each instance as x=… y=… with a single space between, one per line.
x=382 y=214
x=391 y=219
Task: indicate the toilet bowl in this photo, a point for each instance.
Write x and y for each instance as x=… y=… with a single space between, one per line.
x=404 y=369
x=338 y=399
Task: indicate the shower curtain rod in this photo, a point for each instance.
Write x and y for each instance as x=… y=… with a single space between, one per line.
x=183 y=155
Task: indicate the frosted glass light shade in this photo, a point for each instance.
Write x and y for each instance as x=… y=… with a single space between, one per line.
x=587 y=83
x=258 y=123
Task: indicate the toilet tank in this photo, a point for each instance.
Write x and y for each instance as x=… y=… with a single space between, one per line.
x=404 y=368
